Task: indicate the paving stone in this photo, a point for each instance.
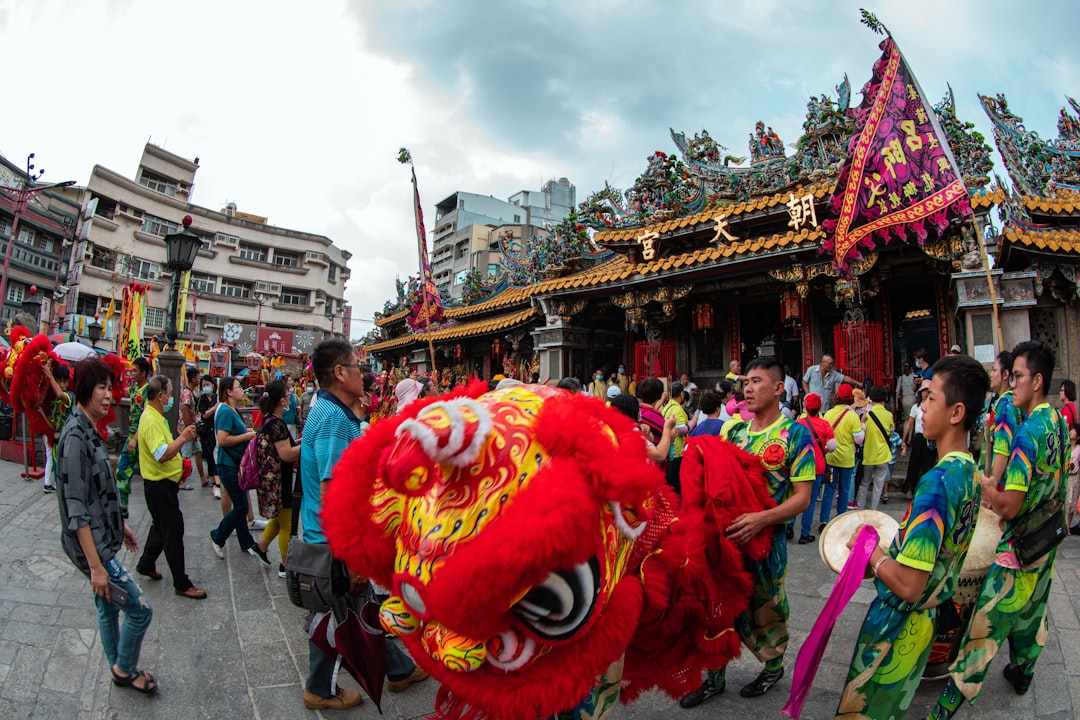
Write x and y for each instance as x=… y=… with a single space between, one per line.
x=64 y=673
x=24 y=677
x=30 y=633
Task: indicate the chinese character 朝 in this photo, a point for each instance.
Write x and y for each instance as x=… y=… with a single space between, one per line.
x=801 y=210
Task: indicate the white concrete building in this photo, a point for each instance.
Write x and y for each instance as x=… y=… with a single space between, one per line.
x=463 y=238
x=254 y=286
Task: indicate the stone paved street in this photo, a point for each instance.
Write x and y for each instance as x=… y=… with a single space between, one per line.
x=242 y=653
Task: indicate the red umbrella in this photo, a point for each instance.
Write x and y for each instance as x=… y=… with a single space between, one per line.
x=355 y=634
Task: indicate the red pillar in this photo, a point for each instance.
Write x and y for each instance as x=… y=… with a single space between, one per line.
x=733 y=329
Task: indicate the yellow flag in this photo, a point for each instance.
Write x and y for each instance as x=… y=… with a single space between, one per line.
x=112 y=309
x=184 y=280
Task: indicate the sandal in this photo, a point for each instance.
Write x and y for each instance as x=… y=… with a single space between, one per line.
x=149 y=684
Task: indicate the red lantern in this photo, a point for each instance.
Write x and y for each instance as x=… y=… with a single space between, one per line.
x=790 y=305
x=496 y=349
x=705 y=317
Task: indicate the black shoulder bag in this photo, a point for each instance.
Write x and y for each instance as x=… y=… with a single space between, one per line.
x=1045 y=526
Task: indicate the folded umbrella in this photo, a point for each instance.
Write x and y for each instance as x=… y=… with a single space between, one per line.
x=352 y=632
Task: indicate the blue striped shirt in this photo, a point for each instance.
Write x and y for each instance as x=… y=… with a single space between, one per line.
x=328 y=429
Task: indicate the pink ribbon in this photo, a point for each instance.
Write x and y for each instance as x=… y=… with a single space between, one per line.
x=851 y=577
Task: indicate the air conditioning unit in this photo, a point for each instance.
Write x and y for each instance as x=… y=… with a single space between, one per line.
x=268 y=287
x=229 y=240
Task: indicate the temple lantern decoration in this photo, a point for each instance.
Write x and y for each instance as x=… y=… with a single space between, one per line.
x=790 y=306
x=702 y=317
x=459 y=353
x=498 y=348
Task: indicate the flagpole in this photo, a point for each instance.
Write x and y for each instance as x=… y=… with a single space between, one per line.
x=989 y=280
x=421 y=247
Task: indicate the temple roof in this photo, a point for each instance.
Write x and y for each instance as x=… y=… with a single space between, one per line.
x=455 y=332
x=1047 y=241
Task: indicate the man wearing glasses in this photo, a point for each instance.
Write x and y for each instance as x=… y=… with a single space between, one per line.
x=1012 y=604
x=331 y=425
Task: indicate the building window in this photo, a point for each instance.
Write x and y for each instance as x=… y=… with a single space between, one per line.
x=332 y=273
x=285 y=259
x=140 y=268
x=189 y=324
x=294 y=296
x=5 y=227
x=517 y=219
x=203 y=283
x=158 y=226
x=158 y=183
x=15 y=293
x=223 y=239
x=155 y=317
x=253 y=253
x=235 y=288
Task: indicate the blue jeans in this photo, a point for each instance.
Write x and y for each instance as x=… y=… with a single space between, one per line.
x=123 y=644
x=235 y=519
x=806 y=525
x=840 y=487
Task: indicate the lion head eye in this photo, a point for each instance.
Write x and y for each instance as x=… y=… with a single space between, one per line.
x=560 y=605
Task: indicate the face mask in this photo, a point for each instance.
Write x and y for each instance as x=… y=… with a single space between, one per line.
x=622 y=371
x=599 y=377
x=310 y=389
x=168 y=405
x=207 y=389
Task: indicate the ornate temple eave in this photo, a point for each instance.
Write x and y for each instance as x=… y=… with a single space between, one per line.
x=1053 y=206
x=460 y=331
x=702 y=219
x=391 y=319
x=1058 y=243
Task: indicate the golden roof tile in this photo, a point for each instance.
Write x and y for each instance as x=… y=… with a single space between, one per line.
x=461 y=331
x=1063 y=241
x=389 y=319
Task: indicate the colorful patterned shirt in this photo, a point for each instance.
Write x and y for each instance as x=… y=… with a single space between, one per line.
x=999 y=429
x=1037 y=465
x=786 y=451
x=137 y=396
x=936 y=531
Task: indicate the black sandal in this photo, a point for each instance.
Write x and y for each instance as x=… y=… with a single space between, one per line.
x=149 y=687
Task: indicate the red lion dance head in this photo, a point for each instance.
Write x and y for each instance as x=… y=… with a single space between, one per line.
x=526 y=539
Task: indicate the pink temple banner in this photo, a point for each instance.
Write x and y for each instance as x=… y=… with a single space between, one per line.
x=427 y=308
x=900 y=173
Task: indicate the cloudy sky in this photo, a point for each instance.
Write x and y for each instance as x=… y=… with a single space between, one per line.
x=296 y=109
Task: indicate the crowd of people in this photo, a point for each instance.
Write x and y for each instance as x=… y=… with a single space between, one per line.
x=826 y=446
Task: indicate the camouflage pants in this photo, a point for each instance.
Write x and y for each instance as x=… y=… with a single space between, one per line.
x=763 y=626
x=888 y=662
x=601 y=702
x=126 y=467
x=1012 y=606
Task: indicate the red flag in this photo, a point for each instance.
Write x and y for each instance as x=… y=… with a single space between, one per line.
x=427 y=309
x=900 y=172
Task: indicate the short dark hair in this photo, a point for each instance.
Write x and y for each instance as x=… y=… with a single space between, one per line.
x=965 y=382
x=328 y=355
x=627 y=404
x=769 y=364
x=61 y=372
x=89 y=373
x=570 y=384
x=159 y=384
x=725 y=387
x=1038 y=357
x=141 y=364
x=369 y=381
x=192 y=374
x=710 y=402
x=677 y=390
x=649 y=390
x=272 y=395
x=879 y=394
x=1005 y=361
x=920 y=353
x=209 y=379
x=1069 y=388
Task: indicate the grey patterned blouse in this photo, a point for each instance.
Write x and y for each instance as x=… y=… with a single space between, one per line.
x=87 y=491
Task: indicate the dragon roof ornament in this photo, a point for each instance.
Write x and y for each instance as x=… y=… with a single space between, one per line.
x=1036 y=166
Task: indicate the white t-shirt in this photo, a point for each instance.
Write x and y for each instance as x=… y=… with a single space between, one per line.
x=916 y=412
x=791 y=387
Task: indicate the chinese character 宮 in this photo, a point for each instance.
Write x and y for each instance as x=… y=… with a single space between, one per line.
x=648 y=245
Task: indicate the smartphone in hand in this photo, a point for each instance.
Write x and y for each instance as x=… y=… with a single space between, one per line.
x=117 y=594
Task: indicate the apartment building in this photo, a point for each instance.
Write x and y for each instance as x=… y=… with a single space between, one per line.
x=39 y=255
x=464 y=240
x=254 y=286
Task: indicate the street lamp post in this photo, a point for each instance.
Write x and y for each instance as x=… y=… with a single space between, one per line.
x=31 y=305
x=22 y=197
x=261 y=299
x=180 y=251
x=94 y=331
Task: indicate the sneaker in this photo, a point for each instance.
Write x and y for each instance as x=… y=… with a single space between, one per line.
x=762 y=683
x=1021 y=683
x=217 y=492
x=124 y=513
x=703 y=693
x=344 y=700
x=416 y=676
x=852 y=506
x=259 y=555
x=49 y=489
x=257 y=524
x=807 y=539
x=218 y=549
x=280 y=570
x=821 y=527
x=790 y=532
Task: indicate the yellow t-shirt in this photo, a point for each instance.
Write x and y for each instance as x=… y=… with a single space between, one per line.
x=154 y=435
x=844 y=454
x=674 y=409
x=876 y=449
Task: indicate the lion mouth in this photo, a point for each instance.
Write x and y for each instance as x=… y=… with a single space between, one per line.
x=559 y=606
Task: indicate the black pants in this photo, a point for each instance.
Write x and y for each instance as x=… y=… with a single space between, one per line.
x=166 y=531
x=674 y=467
x=297 y=498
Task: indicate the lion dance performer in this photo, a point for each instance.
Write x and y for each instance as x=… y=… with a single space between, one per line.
x=538 y=563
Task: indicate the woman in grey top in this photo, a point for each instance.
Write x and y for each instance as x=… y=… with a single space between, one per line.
x=93 y=530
